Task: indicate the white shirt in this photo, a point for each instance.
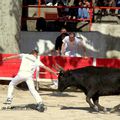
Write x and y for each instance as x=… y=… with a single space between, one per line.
x=29 y=64
x=71 y=48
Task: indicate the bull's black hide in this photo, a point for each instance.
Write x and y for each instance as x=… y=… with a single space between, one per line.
x=93 y=81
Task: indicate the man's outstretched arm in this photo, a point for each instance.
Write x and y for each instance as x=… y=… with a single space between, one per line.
x=50 y=70
x=11 y=57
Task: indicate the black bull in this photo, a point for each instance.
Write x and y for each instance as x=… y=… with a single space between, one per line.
x=94 y=82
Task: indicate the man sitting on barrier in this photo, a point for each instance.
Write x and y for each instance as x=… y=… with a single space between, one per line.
x=71 y=46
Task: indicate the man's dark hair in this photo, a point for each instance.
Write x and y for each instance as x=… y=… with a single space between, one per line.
x=34 y=51
x=72 y=33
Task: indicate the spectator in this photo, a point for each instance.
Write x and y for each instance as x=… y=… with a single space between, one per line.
x=61 y=11
x=58 y=42
x=112 y=3
x=99 y=2
x=80 y=3
x=55 y=2
x=71 y=45
x=83 y=12
x=102 y=3
x=49 y=2
x=118 y=5
x=42 y=2
x=73 y=11
x=41 y=24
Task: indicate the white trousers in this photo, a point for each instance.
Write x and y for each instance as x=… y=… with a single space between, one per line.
x=72 y=54
x=29 y=80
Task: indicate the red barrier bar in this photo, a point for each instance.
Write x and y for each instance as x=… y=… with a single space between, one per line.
x=10 y=68
x=115 y=63
x=60 y=19
x=93 y=7
x=66 y=62
x=44 y=6
x=96 y=7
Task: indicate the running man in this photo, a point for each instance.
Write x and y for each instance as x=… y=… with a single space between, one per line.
x=29 y=63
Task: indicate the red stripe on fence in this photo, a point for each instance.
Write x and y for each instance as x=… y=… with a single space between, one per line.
x=10 y=68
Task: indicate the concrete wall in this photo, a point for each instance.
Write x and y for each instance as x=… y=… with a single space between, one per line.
x=107 y=29
x=98 y=45
x=10 y=17
x=111 y=34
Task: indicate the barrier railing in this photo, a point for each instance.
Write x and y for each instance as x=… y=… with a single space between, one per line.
x=97 y=7
x=91 y=12
x=9 y=69
x=39 y=7
x=106 y=8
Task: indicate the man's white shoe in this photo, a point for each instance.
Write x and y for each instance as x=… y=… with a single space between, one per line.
x=8 y=101
x=41 y=107
x=49 y=4
x=56 y=4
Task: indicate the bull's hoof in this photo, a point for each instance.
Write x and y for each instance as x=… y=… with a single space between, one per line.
x=96 y=108
x=117 y=107
x=112 y=110
x=105 y=110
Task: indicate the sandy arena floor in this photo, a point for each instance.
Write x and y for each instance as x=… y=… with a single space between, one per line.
x=69 y=106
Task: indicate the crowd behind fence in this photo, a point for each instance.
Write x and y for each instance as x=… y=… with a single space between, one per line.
x=74 y=15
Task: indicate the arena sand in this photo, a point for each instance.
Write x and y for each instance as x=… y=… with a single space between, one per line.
x=68 y=106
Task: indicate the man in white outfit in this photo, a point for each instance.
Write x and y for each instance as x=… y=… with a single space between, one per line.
x=29 y=63
x=71 y=45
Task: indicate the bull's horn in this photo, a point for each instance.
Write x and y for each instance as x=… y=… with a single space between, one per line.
x=61 y=68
